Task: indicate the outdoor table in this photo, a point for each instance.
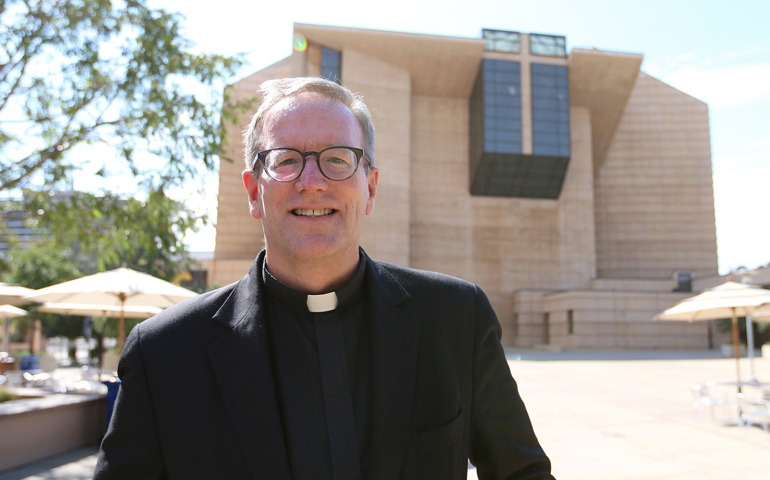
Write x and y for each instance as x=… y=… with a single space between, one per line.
x=739 y=384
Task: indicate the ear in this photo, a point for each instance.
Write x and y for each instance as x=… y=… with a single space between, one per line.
x=251 y=183
x=372 y=179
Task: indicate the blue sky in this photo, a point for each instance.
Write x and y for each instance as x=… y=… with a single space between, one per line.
x=718 y=52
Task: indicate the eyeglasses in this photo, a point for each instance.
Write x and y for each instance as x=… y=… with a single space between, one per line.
x=287 y=164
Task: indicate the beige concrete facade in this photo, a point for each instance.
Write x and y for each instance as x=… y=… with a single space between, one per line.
x=636 y=205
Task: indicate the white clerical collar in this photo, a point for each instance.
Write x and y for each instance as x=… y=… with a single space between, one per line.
x=322 y=303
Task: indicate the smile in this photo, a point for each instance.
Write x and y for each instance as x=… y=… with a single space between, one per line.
x=309 y=212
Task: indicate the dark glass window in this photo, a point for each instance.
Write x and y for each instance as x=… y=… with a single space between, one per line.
x=497 y=165
x=331 y=61
x=549 y=45
x=502 y=106
x=502 y=41
x=550 y=110
x=683 y=282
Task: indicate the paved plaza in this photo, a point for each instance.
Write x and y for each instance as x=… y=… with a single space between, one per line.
x=601 y=415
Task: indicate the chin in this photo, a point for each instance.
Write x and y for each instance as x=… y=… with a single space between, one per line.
x=317 y=249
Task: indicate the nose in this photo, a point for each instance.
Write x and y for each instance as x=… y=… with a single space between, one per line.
x=311 y=177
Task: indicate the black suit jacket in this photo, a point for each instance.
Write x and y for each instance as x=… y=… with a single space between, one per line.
x=197 y=398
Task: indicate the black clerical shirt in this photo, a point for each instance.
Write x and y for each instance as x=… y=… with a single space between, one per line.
x=297 y=373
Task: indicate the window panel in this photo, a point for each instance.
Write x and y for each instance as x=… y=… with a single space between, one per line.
x=550 y=45
x=546 y=150
x=508 y=112
x=502 y=41
x=545 y=92
x=550 y=110
x=546 y=127
x=331 y=62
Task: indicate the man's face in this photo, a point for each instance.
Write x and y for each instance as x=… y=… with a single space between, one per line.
x=311 y=122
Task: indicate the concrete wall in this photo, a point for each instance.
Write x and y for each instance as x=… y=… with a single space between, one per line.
x=603 y=320
x=34 y=429
x=654 y=194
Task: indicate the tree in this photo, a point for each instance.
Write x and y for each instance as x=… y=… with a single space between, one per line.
x=107 y=231
x=76 y=72
x=85 y=233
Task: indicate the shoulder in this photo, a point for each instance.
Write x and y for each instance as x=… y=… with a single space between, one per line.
x=185 y=315
x=420 y=282
x=433 y=295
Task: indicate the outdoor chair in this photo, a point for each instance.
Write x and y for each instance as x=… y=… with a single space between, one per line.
x=706 y=397
x=754 y=412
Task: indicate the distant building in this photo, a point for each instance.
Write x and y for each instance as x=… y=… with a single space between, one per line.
x=17 y=228
x=574 y=188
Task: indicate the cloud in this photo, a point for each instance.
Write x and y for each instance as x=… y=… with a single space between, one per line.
x=723 y=86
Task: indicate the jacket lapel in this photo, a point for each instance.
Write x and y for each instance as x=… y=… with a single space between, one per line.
x=241 y=363
x=395 y=339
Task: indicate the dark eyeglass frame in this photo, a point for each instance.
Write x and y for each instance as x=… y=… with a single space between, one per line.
x=261 y=156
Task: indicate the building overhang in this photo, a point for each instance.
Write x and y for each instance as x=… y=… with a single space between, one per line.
x=602 y=81
x=439 y=66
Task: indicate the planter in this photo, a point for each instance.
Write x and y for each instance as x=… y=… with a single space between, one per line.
x=38 y=428
x=766 y=351
x=727 y=350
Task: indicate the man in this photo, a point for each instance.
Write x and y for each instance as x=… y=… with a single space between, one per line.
x=320 y=363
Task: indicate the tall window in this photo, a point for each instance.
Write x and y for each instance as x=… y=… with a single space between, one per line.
x=331 y=60
x=683 y=282
x=502 y=106
x=548 y=45
x=550 y=110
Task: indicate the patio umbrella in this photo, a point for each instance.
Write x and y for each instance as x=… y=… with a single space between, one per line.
x=14 y=294
x=112 y=311
x=729 y=300
x=762 y=314
x=120 y=288
x=8 y=312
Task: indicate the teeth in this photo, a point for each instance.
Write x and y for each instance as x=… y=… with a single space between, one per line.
x=309 y=212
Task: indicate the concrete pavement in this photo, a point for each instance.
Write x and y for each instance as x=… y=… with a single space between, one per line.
x=601 y=415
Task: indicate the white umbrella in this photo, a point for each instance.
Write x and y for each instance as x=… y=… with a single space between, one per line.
x=81 y=310
x=729 y=300
x=8 y=312
x=14 y=294
x=121 y=288
x=762 y=314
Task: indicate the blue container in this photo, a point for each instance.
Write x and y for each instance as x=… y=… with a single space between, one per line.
x=112 y=394
x=30 y=362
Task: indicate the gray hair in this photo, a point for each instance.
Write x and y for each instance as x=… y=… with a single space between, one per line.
x=272 y=92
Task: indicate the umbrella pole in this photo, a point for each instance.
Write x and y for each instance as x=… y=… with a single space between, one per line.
x=6 y=339
x=737 y=349
x=121 y=324
x=750 y=348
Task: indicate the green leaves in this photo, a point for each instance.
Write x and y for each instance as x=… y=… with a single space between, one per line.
x=80 y=71
x=103 y=232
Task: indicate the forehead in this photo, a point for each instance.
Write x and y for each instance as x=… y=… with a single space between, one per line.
x=311 y=117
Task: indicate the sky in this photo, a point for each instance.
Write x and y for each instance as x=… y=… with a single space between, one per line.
x=716 y=51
